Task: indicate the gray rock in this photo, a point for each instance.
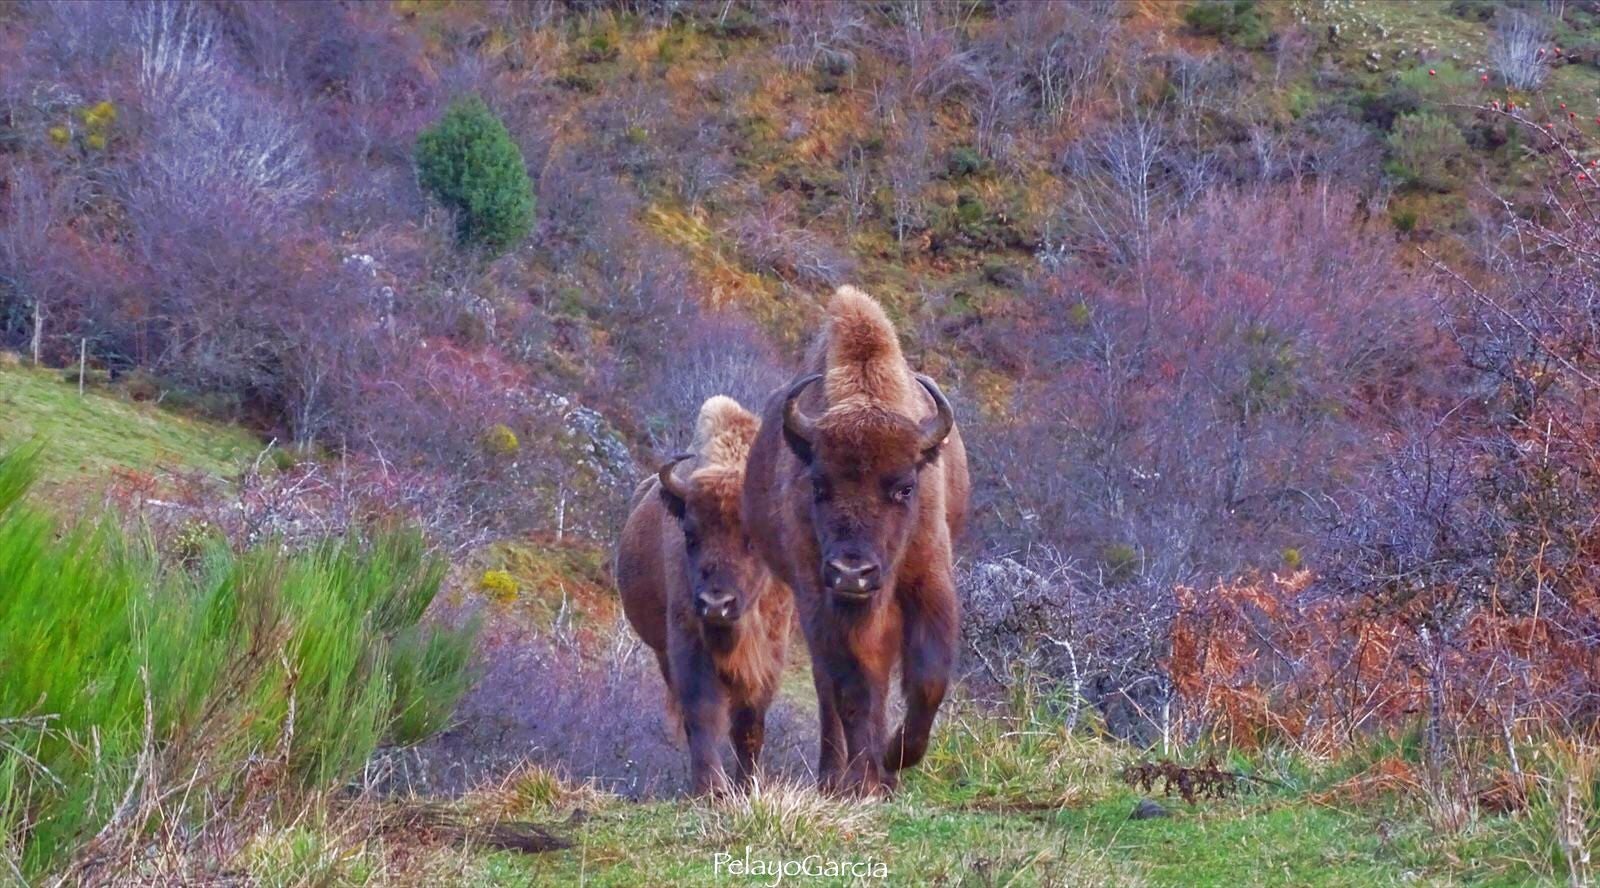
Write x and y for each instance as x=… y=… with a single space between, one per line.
x=1148 y=809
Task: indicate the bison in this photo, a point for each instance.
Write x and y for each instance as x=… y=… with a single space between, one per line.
x=854 y=491
x=718 y=621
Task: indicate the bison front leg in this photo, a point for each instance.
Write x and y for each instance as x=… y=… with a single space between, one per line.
x=704 y=727
x=859 y=696
x=748 y=733
x=928 y=650
x=705 y=722
x=831 y=756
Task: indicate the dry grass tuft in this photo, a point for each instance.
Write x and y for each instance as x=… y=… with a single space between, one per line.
x=786 y=815
x=534 y=790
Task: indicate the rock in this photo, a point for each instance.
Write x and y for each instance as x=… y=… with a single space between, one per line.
x=1148 y=809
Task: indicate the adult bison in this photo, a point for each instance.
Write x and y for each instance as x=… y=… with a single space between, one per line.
x=694 y=592
x=853 y=493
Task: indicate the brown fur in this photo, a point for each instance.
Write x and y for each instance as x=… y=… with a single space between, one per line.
x=869 y=412
x=719 y=679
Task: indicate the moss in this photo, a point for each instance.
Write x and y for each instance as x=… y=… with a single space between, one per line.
x=554 y=579
x=500 y=440
x=499 y=585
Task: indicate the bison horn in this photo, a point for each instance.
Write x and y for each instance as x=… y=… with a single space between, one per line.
x=795 y=422
x=669 y=481
x=936 y=428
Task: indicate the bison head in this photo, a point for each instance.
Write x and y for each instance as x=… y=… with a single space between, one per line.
x=864 y=463
x=722 y=570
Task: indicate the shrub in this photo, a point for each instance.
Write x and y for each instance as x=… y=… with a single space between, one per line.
x=1426 y=150
x=126 y=678
x=470 y=163
x=1234 y=21
x=963 y=161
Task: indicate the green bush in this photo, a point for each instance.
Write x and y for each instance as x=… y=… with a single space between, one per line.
x=1405 y=219
x=1426 y=150
x=963 y=161
x=1234 y=21
x=307 y=661
x=1446 y=84
x=469 y=162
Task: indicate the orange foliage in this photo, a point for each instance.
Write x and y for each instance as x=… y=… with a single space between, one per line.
x=1256 y=661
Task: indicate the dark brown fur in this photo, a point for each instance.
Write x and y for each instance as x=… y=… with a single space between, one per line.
x=806 y=499
x=720 y=678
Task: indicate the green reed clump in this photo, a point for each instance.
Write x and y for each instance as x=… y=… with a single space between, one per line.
x=240 y=674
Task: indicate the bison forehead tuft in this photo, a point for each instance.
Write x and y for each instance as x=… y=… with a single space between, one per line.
x=724 y=432
x=869 y=436
x=864 y=359
x=716 y=491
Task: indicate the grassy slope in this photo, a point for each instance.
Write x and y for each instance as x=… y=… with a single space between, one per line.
x=998 y=807
x=88 y=437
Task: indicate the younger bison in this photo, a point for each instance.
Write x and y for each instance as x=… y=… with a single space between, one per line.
x=855 y=488
x=695 y=593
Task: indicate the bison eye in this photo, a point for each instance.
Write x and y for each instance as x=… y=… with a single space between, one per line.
x=820 y=490
x=691 y=540
x=901 y=493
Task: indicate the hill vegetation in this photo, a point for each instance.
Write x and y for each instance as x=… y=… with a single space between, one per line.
x=1270 y=327
x=93 y=435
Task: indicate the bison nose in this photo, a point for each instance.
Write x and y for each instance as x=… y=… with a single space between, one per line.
x=717 y=606
x=856 y=577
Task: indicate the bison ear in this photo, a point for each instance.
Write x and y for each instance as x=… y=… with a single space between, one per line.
x=799 y=446
x=674 y=503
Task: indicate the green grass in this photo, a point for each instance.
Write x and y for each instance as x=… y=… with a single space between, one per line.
x=1002 y=801
x=86 y=437
x=922 y=839
x=121 y=671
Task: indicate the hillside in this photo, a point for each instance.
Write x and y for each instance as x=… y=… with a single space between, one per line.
x=86 y=439
x=1270 y=326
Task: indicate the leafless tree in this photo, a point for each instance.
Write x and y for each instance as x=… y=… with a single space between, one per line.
x=33 y=210
x=1291 y=50
x=857 y=185
x=819 y=32
x=1518 y=48
x=997 y=107
x=908 y=167
x=1122 y=194
x=176 y=41
x=217 y=144
x=720 y=355
x=1060 y=51
x=773 y=242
